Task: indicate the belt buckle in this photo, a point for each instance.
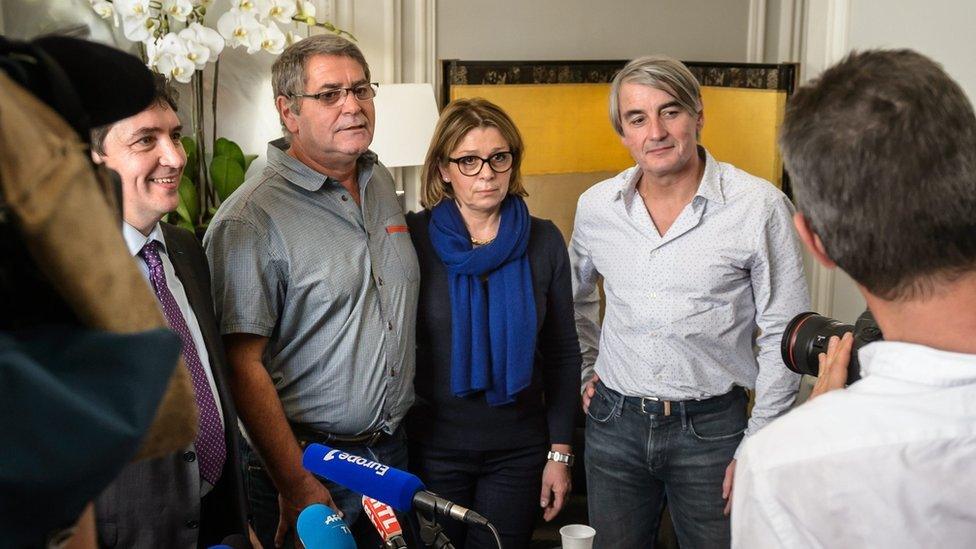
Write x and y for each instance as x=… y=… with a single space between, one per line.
x=644 y=401
x=667 y=405
x=373 y=438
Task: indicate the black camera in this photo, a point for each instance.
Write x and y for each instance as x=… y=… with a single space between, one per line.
x=808 y=334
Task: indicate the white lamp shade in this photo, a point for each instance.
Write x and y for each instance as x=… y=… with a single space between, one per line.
x=405 y=118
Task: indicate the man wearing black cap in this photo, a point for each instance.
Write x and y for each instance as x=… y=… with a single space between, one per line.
x=72 y=352
x=194 y=497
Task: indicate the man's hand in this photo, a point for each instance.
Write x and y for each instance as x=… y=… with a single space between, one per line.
x=727 y=487
x=588 y=391
x=833 y=365
x=292 y=502
x=556 y=484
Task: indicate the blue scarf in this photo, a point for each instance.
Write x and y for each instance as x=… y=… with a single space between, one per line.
x=493 y=336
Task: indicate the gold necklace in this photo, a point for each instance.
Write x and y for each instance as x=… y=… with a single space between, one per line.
x=486 y=242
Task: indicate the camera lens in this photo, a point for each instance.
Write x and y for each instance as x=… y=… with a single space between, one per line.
x=808 y=335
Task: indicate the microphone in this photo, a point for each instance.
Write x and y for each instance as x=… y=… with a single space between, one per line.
x=386 y=523
x=392 y=486
x=319 y=527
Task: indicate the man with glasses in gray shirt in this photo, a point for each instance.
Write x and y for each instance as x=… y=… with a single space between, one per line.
x=697 y=257
x=315 y=283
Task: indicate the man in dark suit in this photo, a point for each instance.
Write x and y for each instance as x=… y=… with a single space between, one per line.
x=192 y=498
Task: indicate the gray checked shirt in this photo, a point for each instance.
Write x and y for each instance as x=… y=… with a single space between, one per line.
x=333 y=286
x=694 y=312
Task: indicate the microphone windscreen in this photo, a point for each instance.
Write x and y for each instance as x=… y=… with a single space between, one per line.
x=319 y=527
x=369 y=478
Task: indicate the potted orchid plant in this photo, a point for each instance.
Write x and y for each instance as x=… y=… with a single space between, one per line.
x=176 y=39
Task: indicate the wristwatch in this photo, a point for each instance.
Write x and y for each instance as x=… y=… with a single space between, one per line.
x=559 y=457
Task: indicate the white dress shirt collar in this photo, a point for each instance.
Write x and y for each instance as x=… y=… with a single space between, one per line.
x=135 y=240
x=710 y=187
x=917 y=364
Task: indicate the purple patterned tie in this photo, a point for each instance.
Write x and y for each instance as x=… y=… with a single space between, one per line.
x=210 y=443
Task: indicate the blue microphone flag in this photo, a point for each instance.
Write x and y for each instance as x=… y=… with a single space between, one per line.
x=319 y=527
x=370 y=478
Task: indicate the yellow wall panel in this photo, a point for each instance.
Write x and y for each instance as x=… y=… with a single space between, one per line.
x=741 y=126
x=565 y=126
x=566 y=130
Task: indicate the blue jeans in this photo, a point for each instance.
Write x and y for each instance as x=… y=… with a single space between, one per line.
x=501 y=485
x=637 y=458
x=262 y=496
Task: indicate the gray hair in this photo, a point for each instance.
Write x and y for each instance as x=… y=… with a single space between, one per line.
x=659 y=72
x=881 y=149
x=288 y=73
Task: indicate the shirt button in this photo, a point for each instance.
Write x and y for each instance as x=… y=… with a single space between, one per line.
x=379 y=280
x=192 y=524
x=392 y=372
x=189 y=457
x=345 y=198
x=389 y=325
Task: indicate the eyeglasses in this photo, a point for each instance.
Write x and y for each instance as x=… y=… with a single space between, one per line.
x=499 y=162
x=335 y=96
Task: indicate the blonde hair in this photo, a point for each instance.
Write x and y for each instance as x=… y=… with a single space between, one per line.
x=457 y=119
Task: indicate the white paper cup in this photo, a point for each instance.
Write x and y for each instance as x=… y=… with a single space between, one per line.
x=577 y=536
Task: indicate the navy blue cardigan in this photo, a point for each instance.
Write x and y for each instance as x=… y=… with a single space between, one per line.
x=544 y=412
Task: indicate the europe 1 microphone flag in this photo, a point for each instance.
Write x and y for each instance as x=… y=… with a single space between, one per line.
x=387 y=484
x=386 y=523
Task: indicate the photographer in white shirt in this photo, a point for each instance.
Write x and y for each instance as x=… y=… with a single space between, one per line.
x=882 y=152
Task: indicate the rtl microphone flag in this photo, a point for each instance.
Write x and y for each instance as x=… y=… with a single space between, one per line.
x=385 y=522
x=319 y=527
x=378 y=481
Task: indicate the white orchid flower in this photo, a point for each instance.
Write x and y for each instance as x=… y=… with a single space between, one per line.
x=106 y=10
x=170 y=57
x=177 y=9
x=240 y=28
x=197 y=36
x=308 y=9
x=272 y=40
x=254 y=7
x=138 y=20
x=279 y=10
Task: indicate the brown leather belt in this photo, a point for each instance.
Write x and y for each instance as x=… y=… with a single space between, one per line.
x=307 y=435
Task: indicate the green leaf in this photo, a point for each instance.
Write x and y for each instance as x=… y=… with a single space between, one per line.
x=189 y=199
x=186 y=225
x=248 y=158
x=227 y=175
x=190 y=146
x=226 y=147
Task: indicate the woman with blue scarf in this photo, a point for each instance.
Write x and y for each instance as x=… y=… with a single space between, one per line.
x=498 y=360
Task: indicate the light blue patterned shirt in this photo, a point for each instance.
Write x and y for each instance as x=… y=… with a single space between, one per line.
x=699 y=310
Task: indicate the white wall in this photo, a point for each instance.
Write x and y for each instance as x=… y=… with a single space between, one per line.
x=506 y=30
x=941 y=29
x=944 y=30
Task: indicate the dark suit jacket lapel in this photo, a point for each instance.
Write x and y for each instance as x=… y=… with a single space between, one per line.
x=191 y=268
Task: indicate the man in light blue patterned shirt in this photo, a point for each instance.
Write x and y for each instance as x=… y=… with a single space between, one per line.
x=702 y=272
